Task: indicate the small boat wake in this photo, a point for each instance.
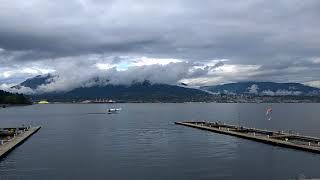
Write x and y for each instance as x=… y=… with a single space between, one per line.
x=97 y=113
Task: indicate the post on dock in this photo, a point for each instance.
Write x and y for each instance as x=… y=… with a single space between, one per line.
x=239 y=122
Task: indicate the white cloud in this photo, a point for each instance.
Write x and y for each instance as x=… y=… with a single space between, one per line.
x=313 y=84
x=280 y=92
x=104 y=66
x=136 y=61
x=286 y=92
x=154 y=35
x=316 y=60
x=145 y=61
x=23 y=90
x=14 y=74
x=268 y=92
x=72 y=73
x=79 y=71
x=253 y=89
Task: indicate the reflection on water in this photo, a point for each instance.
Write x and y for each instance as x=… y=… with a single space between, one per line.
x=80 y=141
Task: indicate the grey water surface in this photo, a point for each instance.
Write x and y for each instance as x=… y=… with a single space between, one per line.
x=80 y=141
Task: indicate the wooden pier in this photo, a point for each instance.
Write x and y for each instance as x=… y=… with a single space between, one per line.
x=10 y=138
x=278 y=138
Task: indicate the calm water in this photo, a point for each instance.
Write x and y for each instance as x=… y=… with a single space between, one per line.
x=76 y=142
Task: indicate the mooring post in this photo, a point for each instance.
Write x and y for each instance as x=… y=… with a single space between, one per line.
x=254 y=134
x=268 y=136
x=239 y=122
x=309 y=143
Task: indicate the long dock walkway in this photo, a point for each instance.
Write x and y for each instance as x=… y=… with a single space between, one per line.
x=13 y=140
x=278 y=138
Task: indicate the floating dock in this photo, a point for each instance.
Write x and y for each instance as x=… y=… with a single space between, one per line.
x=278 y=138
x=10 y=138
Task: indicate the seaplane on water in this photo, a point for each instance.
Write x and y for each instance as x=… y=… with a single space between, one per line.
x=113 y=110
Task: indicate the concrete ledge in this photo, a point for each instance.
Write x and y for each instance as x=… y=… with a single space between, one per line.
x=264 y=139
x=16 y=141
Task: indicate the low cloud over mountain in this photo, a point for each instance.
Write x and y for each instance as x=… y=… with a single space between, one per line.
x=198 y=43
x=263 y=88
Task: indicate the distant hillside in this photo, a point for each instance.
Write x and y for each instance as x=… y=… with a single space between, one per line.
x=36 y=81
x=152 y=92
x=136 y=92
x=263 y=88
x=10 y=98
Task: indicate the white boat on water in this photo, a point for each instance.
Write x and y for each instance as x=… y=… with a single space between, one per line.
x=113 y=110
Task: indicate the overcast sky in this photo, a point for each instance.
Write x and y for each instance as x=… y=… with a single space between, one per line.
x=203 y=42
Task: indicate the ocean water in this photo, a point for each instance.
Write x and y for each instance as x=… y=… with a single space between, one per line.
x=80 y=141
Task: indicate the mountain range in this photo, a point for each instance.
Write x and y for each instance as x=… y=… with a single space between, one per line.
x=263 y=88
x=36 y=81
x=147 y=91
x=135 y=92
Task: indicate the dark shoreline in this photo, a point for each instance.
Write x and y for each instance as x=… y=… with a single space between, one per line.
x=186 y=103
x=2 y=106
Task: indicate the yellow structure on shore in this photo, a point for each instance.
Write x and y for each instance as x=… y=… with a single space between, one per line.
x=43 y=102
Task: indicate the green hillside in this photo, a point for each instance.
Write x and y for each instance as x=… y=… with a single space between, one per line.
x=10 y=98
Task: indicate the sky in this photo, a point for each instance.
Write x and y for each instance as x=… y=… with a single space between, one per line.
x=205 y=42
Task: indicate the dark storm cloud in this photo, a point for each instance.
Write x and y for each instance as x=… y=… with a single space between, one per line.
x=280 y=37
x=244 y=31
